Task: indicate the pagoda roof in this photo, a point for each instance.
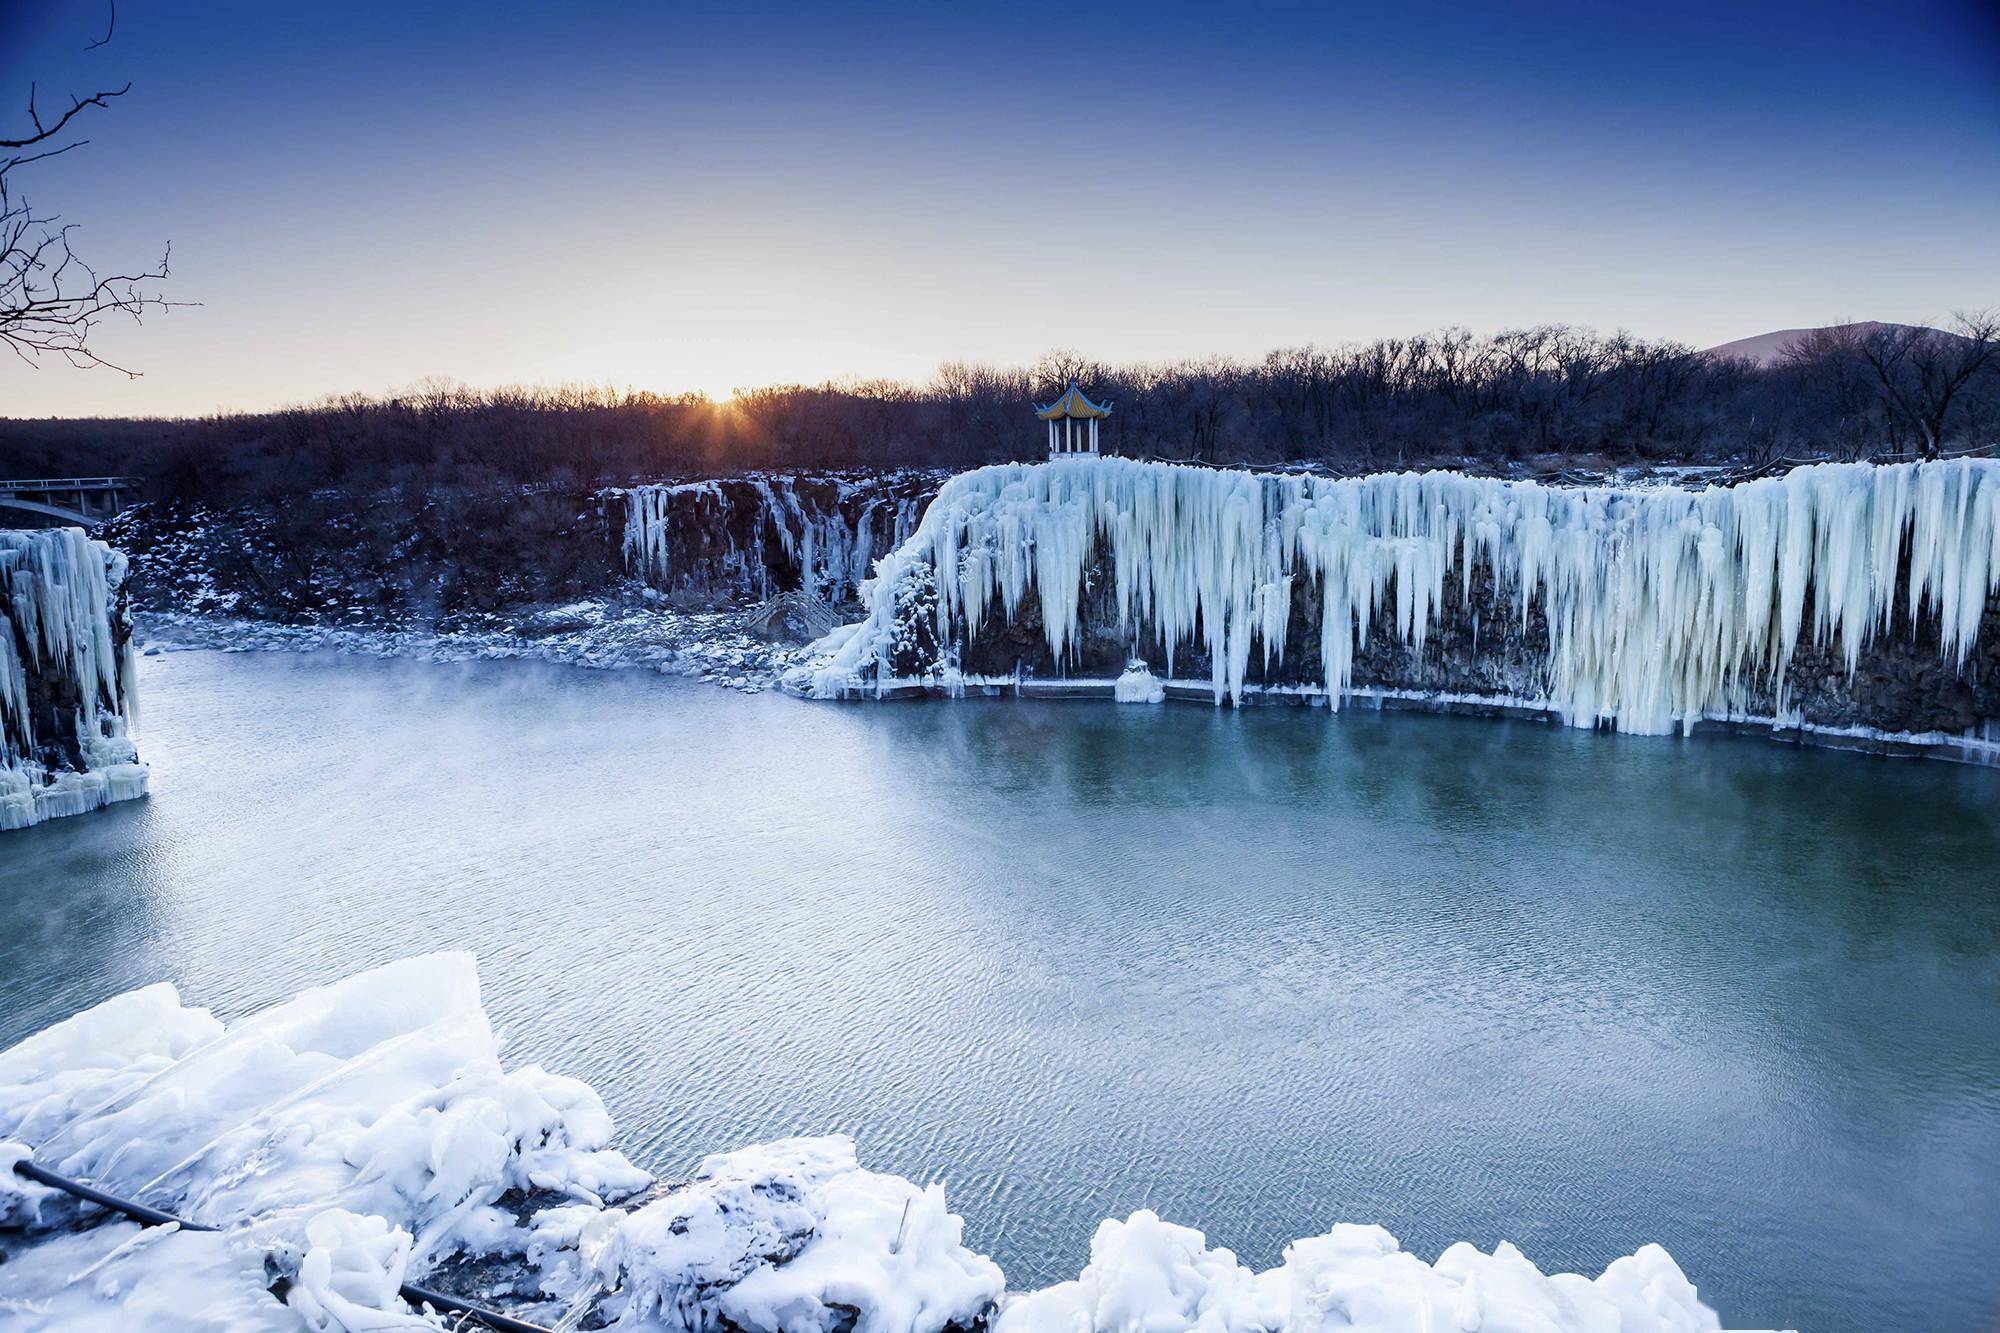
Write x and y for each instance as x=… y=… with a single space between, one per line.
x=1072 y=404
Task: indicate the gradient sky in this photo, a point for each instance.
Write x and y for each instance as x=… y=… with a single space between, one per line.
x=696 y=197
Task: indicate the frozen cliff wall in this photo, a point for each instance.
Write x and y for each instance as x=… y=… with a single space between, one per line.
x=66 y=677
x=1643 y=609
x=449 y=558
x=369 y=1133
x=750 y=538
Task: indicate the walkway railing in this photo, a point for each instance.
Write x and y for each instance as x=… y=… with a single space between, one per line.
x=72 y=484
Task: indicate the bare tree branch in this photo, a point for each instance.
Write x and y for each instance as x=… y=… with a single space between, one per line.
x=109 y=27
x=50 y=298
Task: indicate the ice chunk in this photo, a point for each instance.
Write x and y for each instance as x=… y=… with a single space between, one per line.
x=1138 y=685
x=789 y=1237
x=351 y=1278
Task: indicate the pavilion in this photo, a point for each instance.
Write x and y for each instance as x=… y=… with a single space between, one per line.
x=1073 y=422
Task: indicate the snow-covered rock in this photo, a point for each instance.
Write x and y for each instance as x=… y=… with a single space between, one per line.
x=1138 y=685
x=793 y=1237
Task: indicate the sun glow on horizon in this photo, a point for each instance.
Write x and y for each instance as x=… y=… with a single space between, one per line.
x=724 y=369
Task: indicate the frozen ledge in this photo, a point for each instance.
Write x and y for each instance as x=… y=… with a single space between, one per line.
x=1970 y=747
x=32 y=796
x=367 y=1133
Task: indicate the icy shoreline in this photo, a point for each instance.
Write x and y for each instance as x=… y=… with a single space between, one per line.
x=717 y=648
x=598 y=633
x=367 y=1133
x=1948 y=747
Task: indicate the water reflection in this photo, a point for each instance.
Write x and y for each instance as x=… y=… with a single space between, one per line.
x=1261 y=970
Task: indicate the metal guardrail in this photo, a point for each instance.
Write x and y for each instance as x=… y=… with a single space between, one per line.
x=72 y=484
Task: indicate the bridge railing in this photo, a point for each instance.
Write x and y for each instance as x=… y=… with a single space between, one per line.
x=72 y=484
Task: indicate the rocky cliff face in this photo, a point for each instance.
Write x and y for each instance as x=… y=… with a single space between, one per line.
x=462 y=560
x=67 y=687
x=434 y=559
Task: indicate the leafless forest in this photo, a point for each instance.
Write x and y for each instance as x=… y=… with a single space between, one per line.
x=1551 y=393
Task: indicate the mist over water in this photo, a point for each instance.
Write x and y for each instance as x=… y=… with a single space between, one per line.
x=1260 y=971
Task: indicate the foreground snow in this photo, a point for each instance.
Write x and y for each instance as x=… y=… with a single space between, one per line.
x=1663 y=605
x=1151 y=1276
x=367 y=1133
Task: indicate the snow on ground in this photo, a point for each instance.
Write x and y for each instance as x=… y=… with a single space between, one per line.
x=367 y=1134
x=715 y=646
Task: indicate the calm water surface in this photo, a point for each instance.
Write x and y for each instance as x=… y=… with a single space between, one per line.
x=1261 y=972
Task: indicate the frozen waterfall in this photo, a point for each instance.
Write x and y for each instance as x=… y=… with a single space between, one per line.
x=755 y=536
x=66 y=678
x=1651 y=608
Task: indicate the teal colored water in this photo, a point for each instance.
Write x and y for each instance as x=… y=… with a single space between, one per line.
x=1259 y=971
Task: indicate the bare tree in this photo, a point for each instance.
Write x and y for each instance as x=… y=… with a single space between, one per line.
x=50 y=297
x=1922 y=372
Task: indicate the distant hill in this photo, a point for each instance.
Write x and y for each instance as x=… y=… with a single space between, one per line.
x=1767 y=349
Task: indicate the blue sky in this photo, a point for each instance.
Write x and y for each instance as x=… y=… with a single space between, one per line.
x=680 y=197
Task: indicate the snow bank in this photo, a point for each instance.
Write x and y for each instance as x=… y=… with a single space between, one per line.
x=1663 y=605
x=66 y=680
x=1149 y=1276
x=366 y=1134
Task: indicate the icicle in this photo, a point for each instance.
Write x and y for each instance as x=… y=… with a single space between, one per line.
x=715 y=538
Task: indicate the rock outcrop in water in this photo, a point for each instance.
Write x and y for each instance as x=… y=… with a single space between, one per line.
x=66 y=677
x=1837 y=597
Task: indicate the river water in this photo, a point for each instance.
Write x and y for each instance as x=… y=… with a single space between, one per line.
x=1260 y=971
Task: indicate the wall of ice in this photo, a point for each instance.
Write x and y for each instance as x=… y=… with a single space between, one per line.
x=367 y=1134
x=750 y=538
x=1643 y=609
x=67 y=679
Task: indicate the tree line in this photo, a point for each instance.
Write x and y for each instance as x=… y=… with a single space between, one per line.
x=1545 y=396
